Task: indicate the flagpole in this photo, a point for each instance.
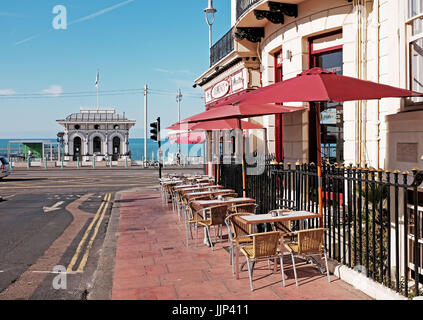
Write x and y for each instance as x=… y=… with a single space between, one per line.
x=98 y=91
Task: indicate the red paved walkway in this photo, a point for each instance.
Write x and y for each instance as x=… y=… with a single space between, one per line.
x=153 y=262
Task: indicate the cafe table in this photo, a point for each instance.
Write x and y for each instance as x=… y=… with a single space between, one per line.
x=256 y=219
x=191 y=195
x=202 y=204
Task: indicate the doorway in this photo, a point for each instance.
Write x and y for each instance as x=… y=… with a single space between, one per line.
x=77 y=143
x=331 y=114
x=97 y=146
x=116 y=148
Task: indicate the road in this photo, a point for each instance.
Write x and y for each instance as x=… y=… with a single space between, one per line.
x=53 y=223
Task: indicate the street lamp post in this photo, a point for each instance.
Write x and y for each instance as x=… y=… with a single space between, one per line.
x=210 y=13
x=178 y=100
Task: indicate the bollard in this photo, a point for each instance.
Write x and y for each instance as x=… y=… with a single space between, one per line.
x=62 y=163
x=94 y=162
x=77 y=162
x=28 y=165
x=111 y=162
x=126 y=163
x=45 y=163
x=143 y=162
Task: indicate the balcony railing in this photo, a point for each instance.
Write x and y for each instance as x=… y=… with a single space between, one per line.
x=243 y=5
x=222 y=48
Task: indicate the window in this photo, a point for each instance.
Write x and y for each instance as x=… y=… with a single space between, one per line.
x=116 y=127
x=77 y=127
x=96 y=127
x=415 y=43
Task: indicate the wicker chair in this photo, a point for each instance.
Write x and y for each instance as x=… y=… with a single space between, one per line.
x=212 y=216
x=284 y=227
x=191 y=217
x=243 y=208
x=265 y=246
x=228 y=195
x=238 y=232
x=310 y=242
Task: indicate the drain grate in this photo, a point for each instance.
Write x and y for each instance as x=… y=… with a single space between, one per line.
x=135 y=229
x=168 y=248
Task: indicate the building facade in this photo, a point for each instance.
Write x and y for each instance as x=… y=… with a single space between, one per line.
x=376 y=40
x=96 y=133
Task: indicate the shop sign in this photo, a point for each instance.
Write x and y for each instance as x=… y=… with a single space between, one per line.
x=237 y=82
x=220 y=89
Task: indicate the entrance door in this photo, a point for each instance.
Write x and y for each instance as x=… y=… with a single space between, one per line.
x=97 y=146
x=116 y=148
x=331 y=114
x=77 y=148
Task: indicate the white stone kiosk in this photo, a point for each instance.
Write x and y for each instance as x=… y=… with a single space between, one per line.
x=99 y=134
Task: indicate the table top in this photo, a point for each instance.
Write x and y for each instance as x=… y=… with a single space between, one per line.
x=287 y=216
x=200 y=204
x=204 y=193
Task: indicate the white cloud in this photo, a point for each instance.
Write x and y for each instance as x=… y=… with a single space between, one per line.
x=7 y=92
x=172 y=71
x=53 y=90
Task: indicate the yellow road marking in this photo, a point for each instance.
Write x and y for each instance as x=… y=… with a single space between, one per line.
x=87 y=250
x=84 y=238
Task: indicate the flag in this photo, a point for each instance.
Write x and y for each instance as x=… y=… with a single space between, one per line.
x=96 y=79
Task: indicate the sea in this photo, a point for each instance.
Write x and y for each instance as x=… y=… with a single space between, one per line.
x=136 y=145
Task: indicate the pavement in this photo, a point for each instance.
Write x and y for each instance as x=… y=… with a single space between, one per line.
x=153 y=262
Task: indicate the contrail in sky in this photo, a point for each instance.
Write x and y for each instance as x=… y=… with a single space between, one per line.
x=101 y=12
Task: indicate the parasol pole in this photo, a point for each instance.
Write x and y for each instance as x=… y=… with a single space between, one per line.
x=244 y=191
x=319 y=163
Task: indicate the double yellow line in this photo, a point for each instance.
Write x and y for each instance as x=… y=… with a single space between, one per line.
x=97 y=220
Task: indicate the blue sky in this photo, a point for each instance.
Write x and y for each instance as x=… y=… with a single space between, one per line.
x=162 y=44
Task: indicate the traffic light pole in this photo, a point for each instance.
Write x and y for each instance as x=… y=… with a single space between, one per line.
x=160 y=147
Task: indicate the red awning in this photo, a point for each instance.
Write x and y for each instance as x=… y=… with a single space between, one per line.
x=188 y=137
x=318 y=85
x=240 y=111
x=225 y=124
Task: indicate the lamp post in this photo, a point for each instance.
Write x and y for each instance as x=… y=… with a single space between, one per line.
x=210 y=13
x=178 y=100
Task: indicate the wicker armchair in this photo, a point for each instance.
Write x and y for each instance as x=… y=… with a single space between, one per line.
x=310 y=242
x=228 y=195
x=284 y=227
x=243 y=208
x=238 y=232
x=265 y=246
x=191 y=217
x=212 y=216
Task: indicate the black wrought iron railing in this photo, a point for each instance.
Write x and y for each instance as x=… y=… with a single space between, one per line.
x=222 y=48
x=243 y=5
x=373 y=217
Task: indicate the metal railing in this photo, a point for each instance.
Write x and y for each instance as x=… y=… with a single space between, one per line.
x=243 y=5
x=222 y=48
x=363 y=212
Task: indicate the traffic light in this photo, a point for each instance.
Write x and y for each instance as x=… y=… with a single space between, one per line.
x=154 y=131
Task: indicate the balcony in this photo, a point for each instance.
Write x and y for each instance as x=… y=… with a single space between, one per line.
x=243 y=5
x=222 y=48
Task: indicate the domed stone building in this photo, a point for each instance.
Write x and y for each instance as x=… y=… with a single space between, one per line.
x=96 y=133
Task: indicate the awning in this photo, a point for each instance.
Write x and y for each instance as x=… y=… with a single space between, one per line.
x=225 y=124
x=240 y=111
x=318 y=85
x=188 y=137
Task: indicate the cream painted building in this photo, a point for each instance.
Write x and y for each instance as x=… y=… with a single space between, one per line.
x=376 y=40
x=96 y=133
